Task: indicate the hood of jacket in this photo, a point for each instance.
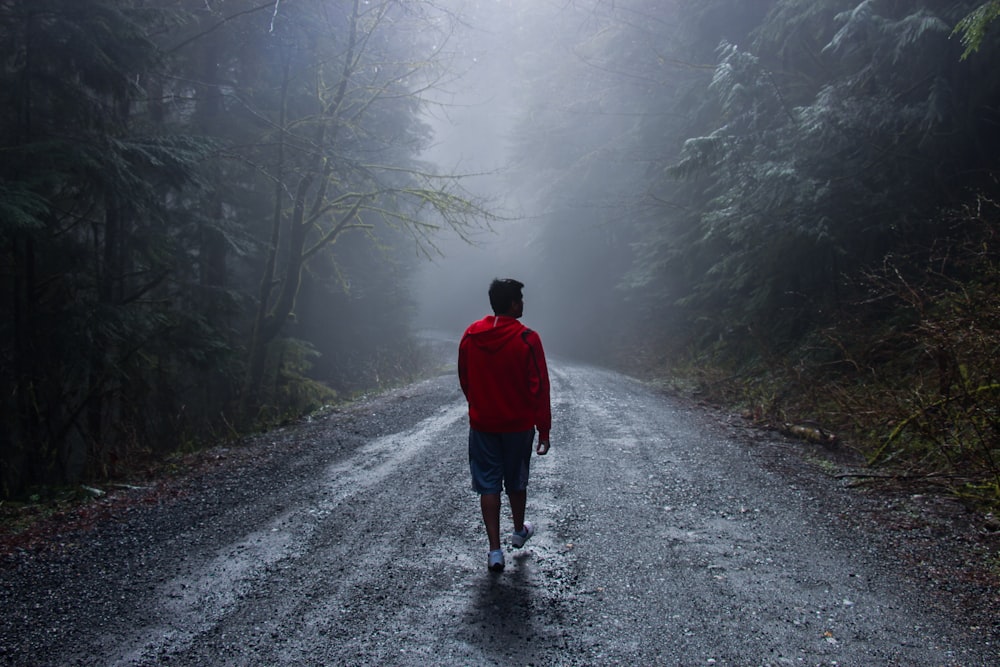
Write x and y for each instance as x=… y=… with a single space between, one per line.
x=493 y=332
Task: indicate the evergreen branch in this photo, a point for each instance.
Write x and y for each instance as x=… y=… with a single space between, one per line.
x=972 y=29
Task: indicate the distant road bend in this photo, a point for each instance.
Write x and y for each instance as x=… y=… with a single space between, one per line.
x=354 y=539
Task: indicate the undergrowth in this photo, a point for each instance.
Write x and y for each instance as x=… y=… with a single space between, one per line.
x=907 y=372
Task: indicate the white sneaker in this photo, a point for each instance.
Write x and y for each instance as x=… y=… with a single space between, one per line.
x=495 y=561
x=517 y=539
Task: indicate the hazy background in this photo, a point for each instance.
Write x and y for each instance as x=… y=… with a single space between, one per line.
x=215 y=214
x=513 y=60
x=473 y=120
x=497 y=56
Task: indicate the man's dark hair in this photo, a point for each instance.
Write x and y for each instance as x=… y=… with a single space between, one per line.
x=503 y=293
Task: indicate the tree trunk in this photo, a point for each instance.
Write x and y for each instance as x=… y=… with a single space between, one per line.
x=270 y=319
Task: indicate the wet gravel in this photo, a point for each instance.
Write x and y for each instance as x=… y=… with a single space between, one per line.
x=667 y=534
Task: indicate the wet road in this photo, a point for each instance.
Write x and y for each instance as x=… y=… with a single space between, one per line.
x=356 y=541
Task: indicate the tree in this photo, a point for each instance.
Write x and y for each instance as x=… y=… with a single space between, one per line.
x=340 y=132
x=84 y=230
x=808 y=182
x=172 y=170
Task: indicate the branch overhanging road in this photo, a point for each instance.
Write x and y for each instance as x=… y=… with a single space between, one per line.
x=354 y=539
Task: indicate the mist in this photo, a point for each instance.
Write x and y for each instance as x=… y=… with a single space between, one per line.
x=249 y=207
x=503 y=50
x=473 y=121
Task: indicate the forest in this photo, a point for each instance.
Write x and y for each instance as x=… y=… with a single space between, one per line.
x=213 y=213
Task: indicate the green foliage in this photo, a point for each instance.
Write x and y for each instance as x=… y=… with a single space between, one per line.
x=973 y=27
x=293 y=392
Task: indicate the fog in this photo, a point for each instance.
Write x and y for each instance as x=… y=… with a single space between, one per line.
x=225 y=225
x=475 y=118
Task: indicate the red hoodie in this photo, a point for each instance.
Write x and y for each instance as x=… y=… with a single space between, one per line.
x=501 y=366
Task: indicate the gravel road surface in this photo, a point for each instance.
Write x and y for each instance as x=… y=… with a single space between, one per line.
x=354 y=539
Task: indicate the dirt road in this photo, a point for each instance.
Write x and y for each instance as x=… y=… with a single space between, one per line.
x=354 y=539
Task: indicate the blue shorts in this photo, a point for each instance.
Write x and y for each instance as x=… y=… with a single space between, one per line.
x=499 y=460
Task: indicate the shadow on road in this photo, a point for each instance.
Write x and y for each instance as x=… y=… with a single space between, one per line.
x=499 y=619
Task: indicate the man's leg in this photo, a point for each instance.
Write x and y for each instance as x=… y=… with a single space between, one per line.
x=517 y=460
x=518 y=502
x=490 y=505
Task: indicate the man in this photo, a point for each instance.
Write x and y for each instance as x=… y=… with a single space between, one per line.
x=502 y=370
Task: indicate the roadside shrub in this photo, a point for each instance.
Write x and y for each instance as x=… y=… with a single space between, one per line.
x=908 y=374
x=916 y=379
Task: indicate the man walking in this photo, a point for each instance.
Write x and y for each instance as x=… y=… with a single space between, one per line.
x=502 y=370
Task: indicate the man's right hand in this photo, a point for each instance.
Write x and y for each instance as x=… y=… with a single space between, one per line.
x=542 y=448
